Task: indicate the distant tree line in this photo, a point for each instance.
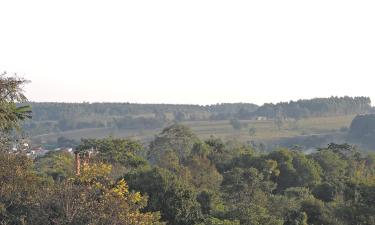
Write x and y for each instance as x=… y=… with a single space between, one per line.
x=56 y=111
x=54 y=117
x=332 y=106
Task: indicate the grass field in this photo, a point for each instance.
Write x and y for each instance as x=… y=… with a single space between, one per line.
x=265 y=130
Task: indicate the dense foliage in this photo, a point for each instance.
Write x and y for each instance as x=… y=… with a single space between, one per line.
x=180 y=179
x=362 y=130
x=316 y=107
x=48 y=192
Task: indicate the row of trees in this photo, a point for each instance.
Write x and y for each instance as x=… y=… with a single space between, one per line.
x=57 y=111
x=315 y=107
x=54 y=117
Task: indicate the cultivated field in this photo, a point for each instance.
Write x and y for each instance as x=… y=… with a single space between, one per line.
x=265 y=130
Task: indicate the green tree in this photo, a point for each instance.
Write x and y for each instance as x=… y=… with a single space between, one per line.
x=236 y=124
x=18 y=181
x=116 y=151
x=19 y=188
x=94 y=198
x=177 y=138
x=247 y=195
x=57 y=165
x=252 y=132
x=176 y=201
x=296 y=170
x=11 y=114
x=216 y=221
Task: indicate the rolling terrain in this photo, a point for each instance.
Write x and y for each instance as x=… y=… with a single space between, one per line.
x=262 y=130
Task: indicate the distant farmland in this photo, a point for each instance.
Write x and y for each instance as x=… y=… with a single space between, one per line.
x=263 y=130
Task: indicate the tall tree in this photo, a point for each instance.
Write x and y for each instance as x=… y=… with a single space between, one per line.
x=11 y=93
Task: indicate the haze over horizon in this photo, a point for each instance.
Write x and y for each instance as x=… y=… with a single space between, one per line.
x=195 y=52
x=177 y=103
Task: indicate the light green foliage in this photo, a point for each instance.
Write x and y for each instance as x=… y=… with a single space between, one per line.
x=57 y=165
x=11 y=93
x=94 y=198
x=201 y=150
x=115 y=150
x=333 y=165
x=11 y=114
x=18 y=189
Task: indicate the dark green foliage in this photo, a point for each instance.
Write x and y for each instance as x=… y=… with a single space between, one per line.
x=216 y=221
x=236 y=124
x=316 y=107
x=206 y=200
x=176 y=201
x=177 y=138
x=129 y=122
x=66 y=143
x=325 y=192
x=252 y=131
x=225 y=111
x=362 y=130
x=296 y=170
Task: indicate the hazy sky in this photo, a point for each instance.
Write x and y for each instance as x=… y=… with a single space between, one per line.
x=189 y=51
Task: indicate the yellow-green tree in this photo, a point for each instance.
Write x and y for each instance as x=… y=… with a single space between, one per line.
x=94 y=198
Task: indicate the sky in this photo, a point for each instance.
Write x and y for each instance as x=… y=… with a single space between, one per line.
x=189 y=52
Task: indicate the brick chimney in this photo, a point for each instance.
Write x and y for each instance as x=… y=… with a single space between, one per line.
x=77 y=163
x=86 y=159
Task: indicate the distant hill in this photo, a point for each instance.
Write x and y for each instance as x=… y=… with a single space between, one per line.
x=55 y=117
x=60 y=117
x=362 y=131
x=56 y=111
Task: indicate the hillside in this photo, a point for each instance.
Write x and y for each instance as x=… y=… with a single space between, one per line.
x=362 y=131
x=244 y=122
